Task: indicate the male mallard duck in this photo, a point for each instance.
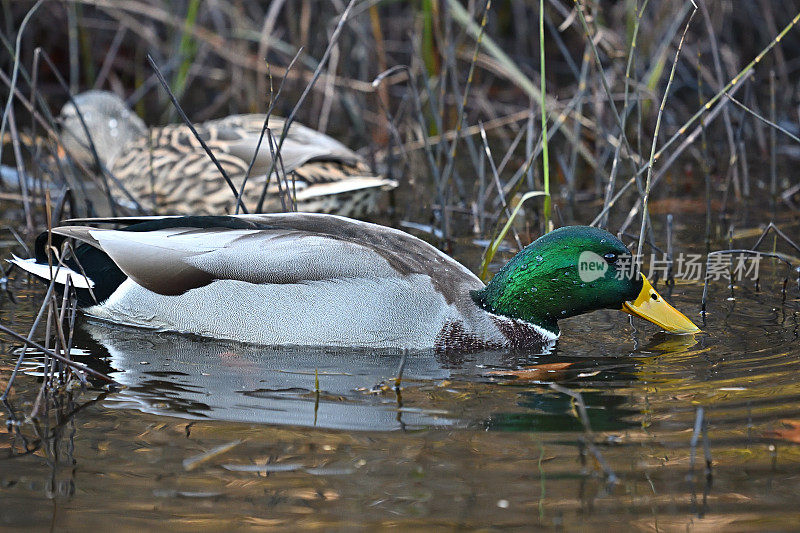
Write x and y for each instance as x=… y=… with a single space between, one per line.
x=166 y=170
x=324 y=280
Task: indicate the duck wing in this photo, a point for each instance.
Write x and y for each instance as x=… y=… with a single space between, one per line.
x=302 y=144
x=173 y=255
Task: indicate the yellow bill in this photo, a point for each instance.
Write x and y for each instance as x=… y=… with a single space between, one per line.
x=651 y=306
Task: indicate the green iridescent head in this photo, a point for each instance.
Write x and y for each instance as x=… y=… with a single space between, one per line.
x=571 y=271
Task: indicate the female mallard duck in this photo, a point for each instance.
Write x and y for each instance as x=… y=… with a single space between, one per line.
x=166 y=169
x=324 y=280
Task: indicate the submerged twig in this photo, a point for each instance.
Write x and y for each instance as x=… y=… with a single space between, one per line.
x=752 y=251
x=700 y=427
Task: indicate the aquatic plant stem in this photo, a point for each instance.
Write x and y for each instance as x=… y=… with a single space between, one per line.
x=462 y=16
x=496 y=176
x=625 y=108
x=272 y=102
x=450 y=164
x=579 y=8
x=707 y=107
x=545 y=154
x=773 y=163
x=19 y=163
x=333 y=40
x=763 y=119
x=54 y=355
x=15 y=70
x=197 y=136
x=21 y=357
x=620 y=119
x=655 y=134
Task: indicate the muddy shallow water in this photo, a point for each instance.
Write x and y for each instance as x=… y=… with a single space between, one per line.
x=218 y=435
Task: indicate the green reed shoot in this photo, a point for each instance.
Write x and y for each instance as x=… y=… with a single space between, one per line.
x=495 y=244
x=428 y=53
x=187 y=47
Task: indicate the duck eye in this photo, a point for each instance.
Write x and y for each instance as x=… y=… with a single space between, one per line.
x=610 y=257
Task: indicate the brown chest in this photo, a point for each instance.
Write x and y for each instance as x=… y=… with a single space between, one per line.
x=454 y=337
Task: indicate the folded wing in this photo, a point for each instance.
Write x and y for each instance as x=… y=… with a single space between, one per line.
x=171 y=261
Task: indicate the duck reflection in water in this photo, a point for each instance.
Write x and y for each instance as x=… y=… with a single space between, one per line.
x=613 y=401
x=198 y=378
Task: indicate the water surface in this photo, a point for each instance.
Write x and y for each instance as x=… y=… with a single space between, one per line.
x=221 y=436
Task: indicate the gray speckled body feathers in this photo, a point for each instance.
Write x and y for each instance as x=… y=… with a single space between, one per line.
x=298 y=279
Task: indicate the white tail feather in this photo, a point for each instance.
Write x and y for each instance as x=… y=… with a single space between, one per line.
x=78 y=280
x=344 y=186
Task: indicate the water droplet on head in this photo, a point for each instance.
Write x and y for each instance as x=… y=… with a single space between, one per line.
x=112 y=123
x=564 y=312
x=534 y=289
x=539 y=258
